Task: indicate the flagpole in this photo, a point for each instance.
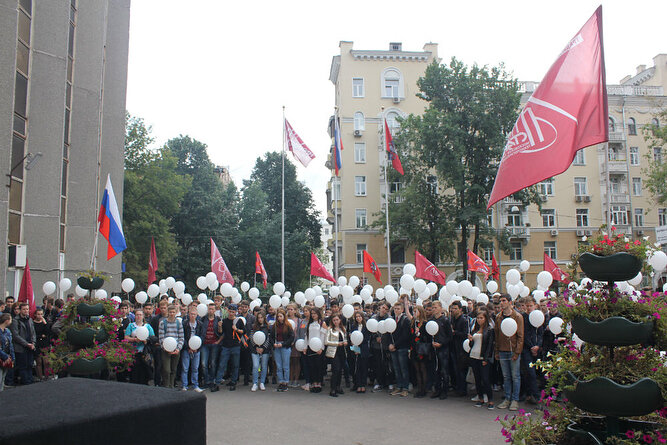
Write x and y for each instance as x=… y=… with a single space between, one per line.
x=386 y=197
x=336 y=198
x=282 y=231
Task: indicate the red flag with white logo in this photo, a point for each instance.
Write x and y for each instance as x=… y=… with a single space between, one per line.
x=152 y=263
x=298 y=148
x=476 y=264
x=371 y=266
x=427 y=271
x=567 y=112
x=495 y=269
x=555 y=271
x=218 y=266
x=391 y=149
x=259 y=268
x=26 y=293
x=317 y=268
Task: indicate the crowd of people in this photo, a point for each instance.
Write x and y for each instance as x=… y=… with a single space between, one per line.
x=267 y=344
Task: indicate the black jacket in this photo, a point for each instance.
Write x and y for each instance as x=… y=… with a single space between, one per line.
x=488 y=338
x=187 y=332
x=401 y=338
x=461 y=329
x=532 y=336
x=267 y=345
x=444 y=335
x=288 y=338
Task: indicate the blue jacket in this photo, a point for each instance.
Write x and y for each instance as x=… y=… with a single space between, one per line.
x=6 y=345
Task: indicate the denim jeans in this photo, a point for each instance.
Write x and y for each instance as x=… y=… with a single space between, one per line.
x=401 y=363
x=281 y=356
x=187 y=359
x=260 y=361
x=225 y=354
x=209 y=361
x=531 y=377
x=511 y=375
x=23 y=366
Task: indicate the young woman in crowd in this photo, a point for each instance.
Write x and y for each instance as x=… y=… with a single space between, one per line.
x=282 y=337
x=142 y=368
x=7 y=357
x=421 y=351
x=481 y=358
x=335 y=343
x=260 y=353
x=316 y=328
x=43 y=336
x=295 y=356
x=361 y=353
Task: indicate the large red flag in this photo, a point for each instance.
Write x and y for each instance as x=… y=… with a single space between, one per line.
x=427 y=271
x=371 y=266
x=495 y=269
x=218 y=266
x=476 y=264
x=555 y=271
x=259 y=268
x=318 y=269
x=26 y=292
x=567 y=112
x=391 y=149
x=152 y=263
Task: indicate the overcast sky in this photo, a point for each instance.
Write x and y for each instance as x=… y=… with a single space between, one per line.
x=221 y=71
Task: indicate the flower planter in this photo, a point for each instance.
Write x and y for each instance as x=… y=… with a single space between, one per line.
x=90 y=283
x=86 y=337
x=598 y=429
x=83 y=366
x=620 y=266
x=606 y=397
x=90 y=310
x=613 y=331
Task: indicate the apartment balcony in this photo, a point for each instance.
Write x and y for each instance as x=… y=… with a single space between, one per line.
x=616 y=136
x=633 y=90
x=522 y=233
x=615 y=166
x=332 y=243
x=618 y=198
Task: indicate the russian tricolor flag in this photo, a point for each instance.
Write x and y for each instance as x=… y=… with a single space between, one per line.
x=109 y=222
x=338 y=147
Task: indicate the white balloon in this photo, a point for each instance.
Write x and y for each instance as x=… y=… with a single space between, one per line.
x=622 y=285
x=372 y=325
x=169 y=344
x=347 y=311
x=536 y=318
x=342 y=280
x=141 y=333
x=79 y=291
x=524 y=266
x=275 y=301
x=318 y=290
x=65 y=284
x=253 y=293
x=178 y=287
x=211 y=278
x=636 y=280
x=347 y=292
x=202 y=309
x=538 y=295
x=664 y=287
x=245 y=286
x=354 y=281
x=432 y=288
x=474 y=293
x=466 y=345
x=50 y=287
x=356 y=299
x=379 y=293
x=141 y=297
x=116 y=300
x=170 y=281
x=658 y=261
x=556 y=325
x=407 y=281
x=391 y=296
x=226 y=289
x=334 y=291
x=365 y=293
x=402 y=291
x=153 y=290
x=287 y=294
x=202 y=283
x=127 y=285
x=369 y=288
x=409 y=269
x=368 y=299
x=202 y=298
x=513 y=290
x=482 y=298
x=492 y=286
x=524 y=292
x=186 y=299
x=464 y=303
x=382 y=327
x=194 y=342
x=293 y=323
x=254 y=303
x=170 y=300
x=432 y=327
x=213 y=286
x=508 y=327
x=513 y=276
x=310 y=294
x=208 y=302
x=420 y=285
x=259 y=338
x=300 y=345
x=315 y=343
x=465 y=288
x=452 y=287
x=318 y=301
x=390 y=325
x=545 y=279
x=300 y=298
x=356 y=337
x=278 y=288
x=284 y=301
x=425 y=294
x=163 y=287
x=101 y=294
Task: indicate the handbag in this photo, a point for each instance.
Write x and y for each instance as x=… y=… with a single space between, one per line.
x=331 y=351
x=147 y=356
x=8 y=363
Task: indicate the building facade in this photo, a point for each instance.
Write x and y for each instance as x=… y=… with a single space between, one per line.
x=63 y=76
x=605 y=183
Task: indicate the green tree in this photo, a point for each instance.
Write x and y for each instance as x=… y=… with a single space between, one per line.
x=656 y=170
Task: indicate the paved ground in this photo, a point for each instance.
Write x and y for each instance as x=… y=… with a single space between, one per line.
x=296 y=417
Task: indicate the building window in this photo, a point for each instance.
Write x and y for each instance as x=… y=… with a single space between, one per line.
x=612 y=124
x=639 y=217
x=637 y=186
x=336 y=191
x=550 y=249
x=657 y=155
x=359 y=123
x=662 y=217
x=582 y=217
x=549 y=217
x=488 y=254
x=432 y=183
x=579 y=158
x=397 y=253
x=516 y=253
x=392 y=83
x=357 y=87
x=619 y=215
x=360 y=253
x=546 y=187
x=616 y=153
x=632 y=126
x=580 y=187
x=615 y=184
x=634 y=155
x=655 y=122
x=394 y=189
x=360 y=152
x=360 y=218
x=489 y=217
x=514 y=219
x=392 y=122
x=360 y=185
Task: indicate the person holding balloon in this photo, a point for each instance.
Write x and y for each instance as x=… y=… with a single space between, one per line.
x=315 y=339
x=422 y=349
x=193 y=333
x=481 y=347
x=171 y=340
x=260 y=348
x=336 y=341
x=399 y=332
x=508 y=348
x=282 y=337
x=532 y=347
x=360 y=337
x=440 y=329
x=139 y=332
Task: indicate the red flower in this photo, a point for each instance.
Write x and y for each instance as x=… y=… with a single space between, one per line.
x=630 y=434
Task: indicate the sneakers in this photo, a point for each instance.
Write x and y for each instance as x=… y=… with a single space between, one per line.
x=479 y=404
x=504 y=404
x=215 y=388
x=514 y=406
x=490 y=406
x=232 y=388
x=377 y=388
x=403 y=393
x=306 y=387
x=254 y=387
x=185 y=388
x=391 y=387
x=395 y=392
x=262 y=387
x=475 y=399
x=198 y=389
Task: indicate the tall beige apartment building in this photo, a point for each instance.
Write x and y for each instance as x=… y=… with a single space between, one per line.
x=604 y=183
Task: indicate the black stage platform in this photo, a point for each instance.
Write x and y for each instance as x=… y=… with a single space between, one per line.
x=73 y=411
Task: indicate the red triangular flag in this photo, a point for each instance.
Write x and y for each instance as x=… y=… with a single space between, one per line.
x=152 y=263
x=317 y=269
x=371 y=266
x=259 y=268
x=218 y=266
x=427 y=271
x=495 y=269
x=391 y=149
x=555 y=271
x=567 y=112
x=26 y=292
x=476 y=264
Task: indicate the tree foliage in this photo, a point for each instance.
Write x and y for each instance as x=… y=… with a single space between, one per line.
x=656 y=170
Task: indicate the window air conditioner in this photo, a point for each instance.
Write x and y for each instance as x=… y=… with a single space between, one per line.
x=554 y=232
x=588 y=232
x=397 y=100
x=357 y=133
x=577 y=198
x=587 y=198
x=640 y=232
x=581 y=233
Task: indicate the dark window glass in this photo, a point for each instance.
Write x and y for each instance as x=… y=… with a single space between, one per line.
x=19 y=124
x=63 y=187
x=70 y=44
x=21 y=94
x=66 y=137
x=22 y=57
x=397 y=253
x=24 y=27
x=14 y=229
x=27 y=5
x=15 y=193
x=18 y=152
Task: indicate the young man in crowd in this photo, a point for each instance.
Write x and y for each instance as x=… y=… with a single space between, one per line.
x=154 y=321
x=210 y=346
x=9 y=302
x=245 y=366
x=380 y=350
x=192 y=326
x=508 y=351
x=532 y=349
x=24 y=337
x=442 y=341
x=459 y=362
x=170 y=327
x=400 y=348
x=232 y=331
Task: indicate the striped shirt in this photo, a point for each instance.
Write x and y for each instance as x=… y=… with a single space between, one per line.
x=172 y=329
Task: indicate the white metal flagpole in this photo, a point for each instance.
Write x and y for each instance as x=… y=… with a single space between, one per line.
x=282 y=231
x=386 y=197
